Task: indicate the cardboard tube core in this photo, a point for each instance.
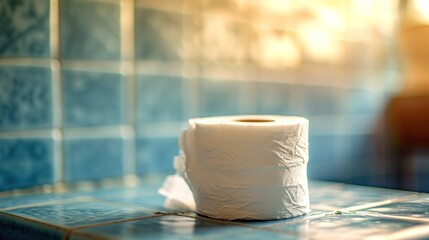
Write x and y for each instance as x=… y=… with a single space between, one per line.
x=254 y=120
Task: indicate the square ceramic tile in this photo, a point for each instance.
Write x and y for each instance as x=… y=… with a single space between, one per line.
x=164 y=227
x=219 y=97
x=418 y=208
x=320 y=100
x=347 y=196
x=24 y=28
x=90 y=29
x=364 y=101
x=91 y=159
x=80 y=213
x=160 y=98
x=29 y=199
x=17 y=228
x=26 y=162
x=92 y=98
x=343 y=226
x=275 y=98
x=156 y=154
x=25 y=98
x=158 y=34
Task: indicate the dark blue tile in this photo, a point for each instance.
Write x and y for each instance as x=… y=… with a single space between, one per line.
x=90 y=159
x=89 y=29
x=92 y=98
x=25 y=98
x=344 y=226
x=24 y=28
x=417 y=208
x=158 y=34
x=160 y=98
x=79 y=213
x=156 y=154
x=16 y=228
x=275 y=98
x=220 y=97
x=26 y=162
x=164 y=227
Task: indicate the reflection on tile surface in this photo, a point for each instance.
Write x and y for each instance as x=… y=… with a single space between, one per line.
x=158 y=34
x=17 y=201
x=93 y=158
x=416 y=208
x=89 y=29
x=91 y=98
x=156 y=154
x=160 y=98
x=344 y=226
x=25 y=97
x=26 y=162
x=338 y=196
x=24 y=28
x=79 y=213
x=220 y=97
x=165 y=227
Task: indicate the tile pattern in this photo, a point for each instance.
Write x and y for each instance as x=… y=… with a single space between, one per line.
x=156 y=154
x=26 y=162
x=160 y=98
x=24 y=28
x=91 y=159
x=158 y=34
x=89 y=29
x=92 y=98
x=220 y=97
x=25 y=98
x=132 y=213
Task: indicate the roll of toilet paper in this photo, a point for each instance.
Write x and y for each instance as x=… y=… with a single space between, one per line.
x=243 y=167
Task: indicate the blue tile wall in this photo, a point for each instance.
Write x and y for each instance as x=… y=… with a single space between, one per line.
x=24 y=28
x=25 y=98
x=97 y=77
x=26 y=162
x=92 y=159
x=220 y=97
x=158 y=34
x=160 y=98
x=92 y=98
x=90 y=29
x=156 y=154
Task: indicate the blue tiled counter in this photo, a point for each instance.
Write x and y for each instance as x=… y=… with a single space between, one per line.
x=121 y=212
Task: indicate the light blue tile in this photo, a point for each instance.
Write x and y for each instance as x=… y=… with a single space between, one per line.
x=158 y=34
x=92 y=98
x=26 y=162
x=140 y=197
x=156 y=154
x=344 y=226
x=220 y=97
x=354 y=147
x=25 y=98
x=79 y=213
x=340 y=196
x=24 y=28
x=164 y=227
x=321 y=148
x=160 y=98
x=275 y=98
x=364 y=101
x=18 y=228
x=89 y=29
x=320 y=100
x=90 y=159
x=417 y=208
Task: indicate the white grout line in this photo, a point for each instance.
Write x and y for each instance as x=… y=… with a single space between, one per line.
x=38 y=133
x=122 y=131
x=26 y=62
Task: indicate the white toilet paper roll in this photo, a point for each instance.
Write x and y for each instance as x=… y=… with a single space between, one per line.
x=246 y=167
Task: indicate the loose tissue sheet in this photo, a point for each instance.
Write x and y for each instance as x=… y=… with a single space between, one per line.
x=241 y=167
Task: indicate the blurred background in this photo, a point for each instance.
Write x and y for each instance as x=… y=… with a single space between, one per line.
x=100 y=89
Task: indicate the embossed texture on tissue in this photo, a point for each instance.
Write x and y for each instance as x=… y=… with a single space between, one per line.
x=251 y=171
